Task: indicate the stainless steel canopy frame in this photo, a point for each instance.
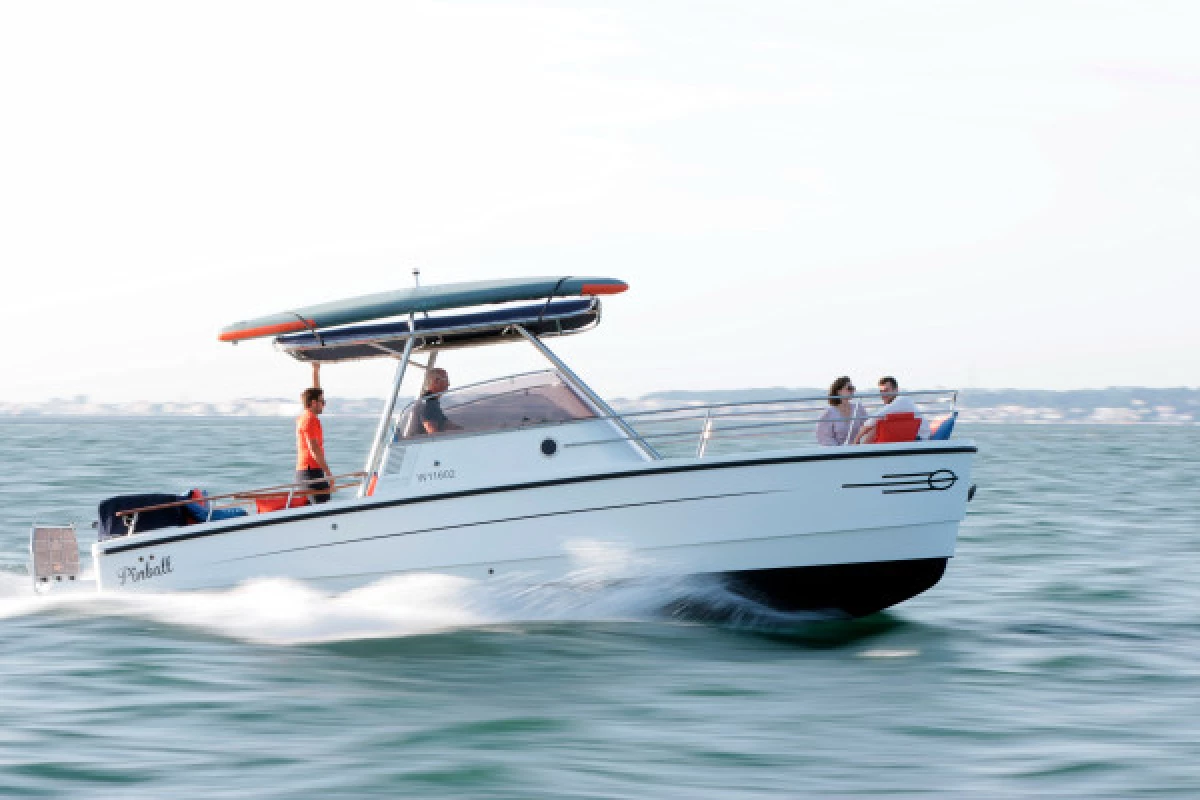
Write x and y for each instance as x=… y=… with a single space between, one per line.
x=385 y=419
x=587 y=392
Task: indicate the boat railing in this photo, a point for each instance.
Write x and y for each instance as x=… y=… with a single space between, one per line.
x=289 y=492
x=699 y=429
x=696 y=429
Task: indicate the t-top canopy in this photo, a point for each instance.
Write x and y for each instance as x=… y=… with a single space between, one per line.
x=416 y=300
x=556 y=318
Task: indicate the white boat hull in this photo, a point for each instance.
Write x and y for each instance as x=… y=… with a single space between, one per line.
x=849 y=529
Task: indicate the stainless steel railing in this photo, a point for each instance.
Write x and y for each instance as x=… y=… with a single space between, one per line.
x=700 y=430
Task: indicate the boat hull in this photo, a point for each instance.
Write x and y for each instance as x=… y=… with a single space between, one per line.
x=853 y=590
x=801 y=531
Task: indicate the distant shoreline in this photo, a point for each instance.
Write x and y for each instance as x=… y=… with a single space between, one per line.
x=1114 y=406
x=964 y=419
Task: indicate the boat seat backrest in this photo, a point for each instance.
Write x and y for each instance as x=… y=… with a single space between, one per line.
x=899 y=427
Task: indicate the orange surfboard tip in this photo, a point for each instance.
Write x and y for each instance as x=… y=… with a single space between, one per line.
x=265 y=330
x=604 y=288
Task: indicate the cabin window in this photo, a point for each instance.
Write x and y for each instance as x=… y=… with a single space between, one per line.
x=537 y=398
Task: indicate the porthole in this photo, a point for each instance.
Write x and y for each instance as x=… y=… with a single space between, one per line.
x=549 y=447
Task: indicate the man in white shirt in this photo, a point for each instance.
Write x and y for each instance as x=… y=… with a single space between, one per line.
x=893 y=403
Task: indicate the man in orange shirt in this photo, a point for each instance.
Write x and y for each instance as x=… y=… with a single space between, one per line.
x=311 y=467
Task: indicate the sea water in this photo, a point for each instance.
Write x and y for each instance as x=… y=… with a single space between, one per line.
x=1058 y=657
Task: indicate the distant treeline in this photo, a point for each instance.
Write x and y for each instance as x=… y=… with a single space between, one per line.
x=1122 y=404
x=1182 y=399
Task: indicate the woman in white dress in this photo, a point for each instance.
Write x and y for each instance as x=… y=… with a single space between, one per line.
x=842 y=420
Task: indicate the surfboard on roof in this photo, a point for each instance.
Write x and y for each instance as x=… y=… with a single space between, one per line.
x=416 y=300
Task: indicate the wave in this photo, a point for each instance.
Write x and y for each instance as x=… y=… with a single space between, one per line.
x=287 y=612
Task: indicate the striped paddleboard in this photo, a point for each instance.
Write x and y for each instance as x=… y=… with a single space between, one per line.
x=418 y=299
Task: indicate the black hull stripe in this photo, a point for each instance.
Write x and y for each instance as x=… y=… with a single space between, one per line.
x=516 y=487
x=499 y=520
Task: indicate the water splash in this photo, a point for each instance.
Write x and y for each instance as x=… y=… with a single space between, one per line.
x=884 y=653
x=608 y=582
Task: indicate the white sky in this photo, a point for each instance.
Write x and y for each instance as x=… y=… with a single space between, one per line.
x=1001 y=194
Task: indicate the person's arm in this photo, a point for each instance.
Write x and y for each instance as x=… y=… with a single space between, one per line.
x=433 y=419
x=432 y=427
x=315 y=448
x=318 y=454
x=316 y=374
x=446 y=425
x=866 y=433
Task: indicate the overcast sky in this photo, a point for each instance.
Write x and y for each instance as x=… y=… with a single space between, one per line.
x=995 y=194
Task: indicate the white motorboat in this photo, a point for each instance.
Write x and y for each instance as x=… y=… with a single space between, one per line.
x=540 y=466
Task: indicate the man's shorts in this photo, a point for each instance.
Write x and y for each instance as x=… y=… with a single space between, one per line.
x=314 y=479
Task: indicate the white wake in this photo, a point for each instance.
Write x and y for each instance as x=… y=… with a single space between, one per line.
x=278 y=611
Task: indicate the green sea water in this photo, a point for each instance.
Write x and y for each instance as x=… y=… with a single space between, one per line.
x=1059 y=657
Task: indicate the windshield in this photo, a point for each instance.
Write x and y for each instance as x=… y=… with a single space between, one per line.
x=535 y=398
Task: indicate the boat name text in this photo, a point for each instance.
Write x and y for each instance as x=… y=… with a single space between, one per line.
x=142 y=572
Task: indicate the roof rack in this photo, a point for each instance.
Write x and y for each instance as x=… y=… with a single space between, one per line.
x=550 y=318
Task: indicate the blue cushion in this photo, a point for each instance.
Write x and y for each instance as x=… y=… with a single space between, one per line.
x=227 y=513
x=944 y=428
x=198 y=509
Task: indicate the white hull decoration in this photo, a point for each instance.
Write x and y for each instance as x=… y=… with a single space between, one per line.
x=542 y=466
